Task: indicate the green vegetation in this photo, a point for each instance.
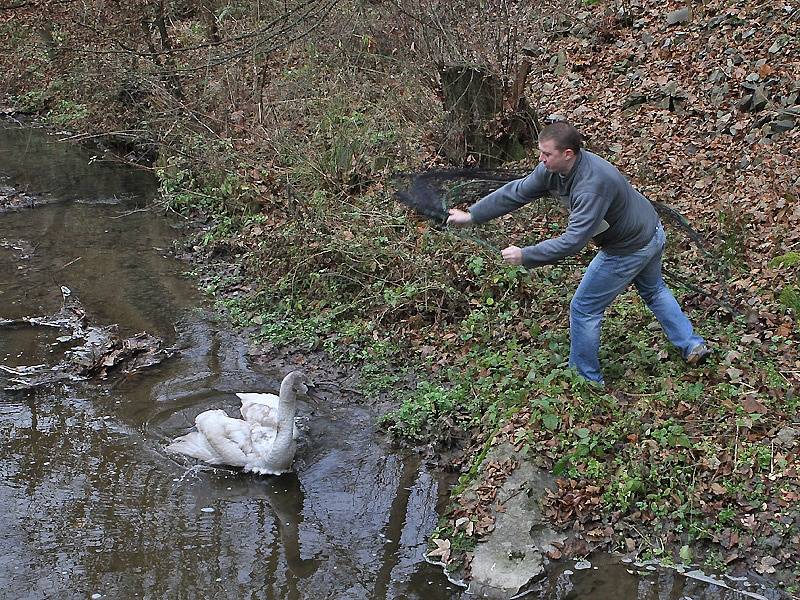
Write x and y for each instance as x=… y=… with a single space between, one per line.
x=790 y=294
x=67 y=112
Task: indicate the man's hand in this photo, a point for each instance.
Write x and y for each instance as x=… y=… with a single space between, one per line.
x=459 y=217
x=512 y=255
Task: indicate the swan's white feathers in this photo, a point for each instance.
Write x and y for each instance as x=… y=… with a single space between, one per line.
x=196 y=445
x=260 y=443
x=262 y=409
x=229 y=437
x=219 y=439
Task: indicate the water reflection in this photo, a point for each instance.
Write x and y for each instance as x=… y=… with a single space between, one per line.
x=92 y=503
x=40 y=164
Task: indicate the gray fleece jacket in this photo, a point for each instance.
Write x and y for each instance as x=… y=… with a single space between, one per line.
x=602 y=205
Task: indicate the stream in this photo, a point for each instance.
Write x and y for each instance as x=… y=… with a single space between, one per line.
x=95 y=508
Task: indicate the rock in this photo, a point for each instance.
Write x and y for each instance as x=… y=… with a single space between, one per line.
x=634 y=100
x=509 y=559
x=759 y=101
x=778 y=45
x=787 y=437
x=716 y=76
x=682 y=15
x=755 y=101
x=782 y=126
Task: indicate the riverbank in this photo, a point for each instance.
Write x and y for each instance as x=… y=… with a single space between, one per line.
x=301 y=240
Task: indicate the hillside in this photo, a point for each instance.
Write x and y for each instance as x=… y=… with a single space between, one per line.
x=281 y=134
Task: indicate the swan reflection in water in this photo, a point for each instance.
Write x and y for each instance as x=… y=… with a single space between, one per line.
x=259 y=527
x=351 y=524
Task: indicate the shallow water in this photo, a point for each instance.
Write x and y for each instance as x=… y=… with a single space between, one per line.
x=93 y=507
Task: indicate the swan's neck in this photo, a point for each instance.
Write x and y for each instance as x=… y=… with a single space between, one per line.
x=287 y=408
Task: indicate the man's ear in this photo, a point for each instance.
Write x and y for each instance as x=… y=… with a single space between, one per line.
x=569 y=153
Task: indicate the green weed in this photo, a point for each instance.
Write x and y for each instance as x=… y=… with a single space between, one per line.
x=66 y=112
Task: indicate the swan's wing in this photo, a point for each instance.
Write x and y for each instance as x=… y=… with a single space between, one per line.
x=262 y=439
x=261 y=409
x=258 y=414
x=230 y=438
x=265 y=399
x=263 y=444
x=195 y=444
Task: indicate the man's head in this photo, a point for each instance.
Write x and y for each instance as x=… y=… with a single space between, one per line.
x=559 y=145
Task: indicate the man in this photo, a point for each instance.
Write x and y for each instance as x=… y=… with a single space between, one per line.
x=604 y=206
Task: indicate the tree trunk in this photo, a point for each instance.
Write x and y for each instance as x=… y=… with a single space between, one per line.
x=479 y=130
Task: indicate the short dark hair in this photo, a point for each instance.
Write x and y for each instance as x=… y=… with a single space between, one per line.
x=563 y=134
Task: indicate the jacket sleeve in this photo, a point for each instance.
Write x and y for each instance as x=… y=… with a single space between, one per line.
x=585 y=217
x=511 y=196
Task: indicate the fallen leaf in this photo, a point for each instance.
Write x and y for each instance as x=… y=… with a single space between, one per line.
x=767 y=565
x=554 y=554
x=751 y=405
x=734 y=374
x=442 y=549
x=731 y=557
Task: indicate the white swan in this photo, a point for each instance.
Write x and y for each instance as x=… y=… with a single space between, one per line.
x=261 y=409
x=261 y=443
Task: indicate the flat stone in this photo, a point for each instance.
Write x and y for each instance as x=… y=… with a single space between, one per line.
x=759 y=101
x=782 y=126
x=682 y=15
x=787 y=437
x=514 y=553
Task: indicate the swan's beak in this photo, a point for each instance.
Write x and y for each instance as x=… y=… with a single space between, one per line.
x=311 y=392
x=307 y=385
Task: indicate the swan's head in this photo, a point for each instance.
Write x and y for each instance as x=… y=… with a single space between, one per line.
x=299 y=382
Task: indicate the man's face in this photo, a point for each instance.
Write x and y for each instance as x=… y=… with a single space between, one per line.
x=558 y=161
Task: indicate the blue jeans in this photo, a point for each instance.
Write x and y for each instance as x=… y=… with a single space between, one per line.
x=606 y=277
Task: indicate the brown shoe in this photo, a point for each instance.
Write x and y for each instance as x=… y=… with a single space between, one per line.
x=698 y=355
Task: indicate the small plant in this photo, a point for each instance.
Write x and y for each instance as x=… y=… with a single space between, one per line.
x=67 y=112
x=416 y=416
x=790 y=294
x=726 y=516
x=733 y=231
x=31 y=102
